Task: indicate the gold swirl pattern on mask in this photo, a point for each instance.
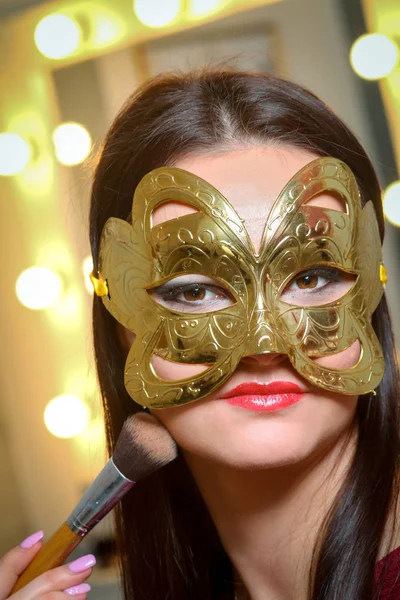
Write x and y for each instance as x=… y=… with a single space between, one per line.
x=214 y=242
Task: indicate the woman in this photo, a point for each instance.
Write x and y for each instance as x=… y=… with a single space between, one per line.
x=283 y=401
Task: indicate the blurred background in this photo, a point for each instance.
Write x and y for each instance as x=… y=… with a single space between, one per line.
x=66 y=69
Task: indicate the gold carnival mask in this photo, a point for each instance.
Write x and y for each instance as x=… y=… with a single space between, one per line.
x=213 y=242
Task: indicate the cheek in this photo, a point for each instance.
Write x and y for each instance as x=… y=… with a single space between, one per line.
x=168 y=370
x=171 y=371
x=342 y=360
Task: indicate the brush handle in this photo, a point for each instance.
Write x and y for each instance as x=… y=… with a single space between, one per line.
x=106 y=490
x=52 y=554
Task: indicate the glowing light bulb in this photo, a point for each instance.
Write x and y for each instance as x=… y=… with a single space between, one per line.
x=15 y=153
x=38 y=288
x=374 y=56
x=106 y=30
x=199 y=8
x=57 y=36
x=156 y=13
x=66 y=416
x=87 y=268
x=72 y=143
x=391 y=203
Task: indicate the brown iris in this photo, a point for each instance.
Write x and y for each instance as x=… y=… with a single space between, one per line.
x=195 y=293
x=307 y=282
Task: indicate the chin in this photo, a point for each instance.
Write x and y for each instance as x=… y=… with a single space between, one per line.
x=271 y=457
x=225 y=436
x=257 y=450
x=259 y=455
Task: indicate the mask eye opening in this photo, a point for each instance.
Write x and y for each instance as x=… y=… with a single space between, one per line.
x=168 y=210
x=317 y=285
x=330 y=199
x=178 y=294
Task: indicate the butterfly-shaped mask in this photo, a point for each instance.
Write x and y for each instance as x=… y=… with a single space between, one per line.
x=212 y=241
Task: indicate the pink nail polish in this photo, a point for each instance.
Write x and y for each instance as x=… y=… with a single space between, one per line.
x=82 y=563
x=83 y=588
x=32 y=539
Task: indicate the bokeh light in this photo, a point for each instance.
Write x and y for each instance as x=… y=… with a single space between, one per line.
x=67 y=313
x=15 y=153
x=374 y=56
x=57 y=36
x=156 y=13
x=106 y=30
x=72 y=143
x=391 y=203
x=87 y=268
x=38 y=288
x=92 y=440
x=200 y=8
x=66 y=416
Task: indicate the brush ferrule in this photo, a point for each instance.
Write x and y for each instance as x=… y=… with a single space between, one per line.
x=104 y=493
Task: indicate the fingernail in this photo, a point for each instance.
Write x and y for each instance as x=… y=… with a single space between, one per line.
x=83 y=588
x=32 y=539
x=82 y=563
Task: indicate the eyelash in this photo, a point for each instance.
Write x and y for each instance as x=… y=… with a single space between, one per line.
x=331 y=274
x=171 y=294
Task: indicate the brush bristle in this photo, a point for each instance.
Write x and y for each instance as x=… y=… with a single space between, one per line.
x=144 y=445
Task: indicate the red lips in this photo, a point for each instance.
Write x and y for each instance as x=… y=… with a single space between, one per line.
x=263 y=389
x=261 y=397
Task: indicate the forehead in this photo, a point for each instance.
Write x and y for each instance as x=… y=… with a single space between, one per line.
x=250 y=178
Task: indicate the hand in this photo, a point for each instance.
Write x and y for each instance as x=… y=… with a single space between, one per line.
x=57 y=584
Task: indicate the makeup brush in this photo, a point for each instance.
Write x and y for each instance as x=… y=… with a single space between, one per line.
x=144 y=445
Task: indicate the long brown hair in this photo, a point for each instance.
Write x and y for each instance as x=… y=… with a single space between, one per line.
x=168 y=545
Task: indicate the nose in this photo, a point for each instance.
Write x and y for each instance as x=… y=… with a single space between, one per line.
x=263 y=342
x=264 y=359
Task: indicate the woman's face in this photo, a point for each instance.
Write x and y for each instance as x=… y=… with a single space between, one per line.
x=212 y=428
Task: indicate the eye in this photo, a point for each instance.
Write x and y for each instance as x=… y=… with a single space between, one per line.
x=310 y=281
x=318 y=285
x=193 y=294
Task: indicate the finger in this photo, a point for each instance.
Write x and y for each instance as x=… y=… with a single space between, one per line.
x=75 y=592
x=16 y=561
x=78 y=590
x=57 y=580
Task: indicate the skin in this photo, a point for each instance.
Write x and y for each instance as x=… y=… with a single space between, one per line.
x=268 y=479
x=51 y=584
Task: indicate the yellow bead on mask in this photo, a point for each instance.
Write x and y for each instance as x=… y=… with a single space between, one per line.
x=214 y=242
